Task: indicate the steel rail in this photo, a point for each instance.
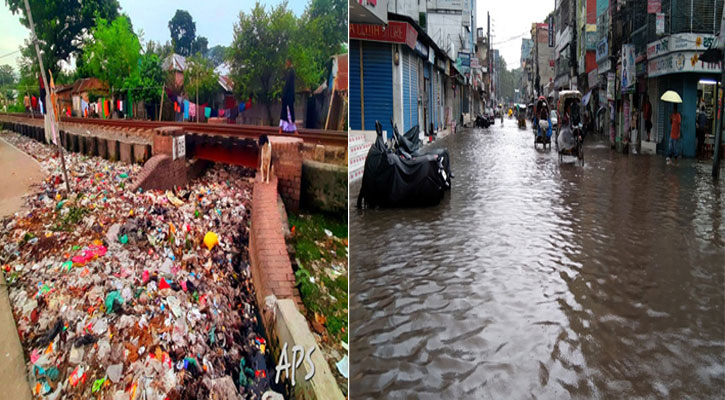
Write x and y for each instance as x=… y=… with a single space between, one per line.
x=314 y=136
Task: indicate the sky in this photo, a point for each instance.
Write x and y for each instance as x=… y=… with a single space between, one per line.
x=511 y=18
x=214 y=20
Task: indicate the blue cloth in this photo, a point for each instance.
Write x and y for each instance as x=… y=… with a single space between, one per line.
x=214 y=113
x=674 y=148
x=242 y=107
x=186 y=109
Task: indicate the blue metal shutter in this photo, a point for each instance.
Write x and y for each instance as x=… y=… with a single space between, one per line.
x=434 y=98
x=406 y=90
x=378 y=81
x=354 y=76
x=413 y=89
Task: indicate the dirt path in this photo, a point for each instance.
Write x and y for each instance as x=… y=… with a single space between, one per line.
x=17 y=172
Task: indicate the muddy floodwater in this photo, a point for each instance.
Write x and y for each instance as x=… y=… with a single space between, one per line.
x=539 y=280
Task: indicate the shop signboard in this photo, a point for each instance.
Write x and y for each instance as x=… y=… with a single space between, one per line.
x=685 y=61
x=394 y=32
x=605 y=66
x=421 y=49
x=602 y=50
x=465 y=58
x=551 y=31
x=591 y=43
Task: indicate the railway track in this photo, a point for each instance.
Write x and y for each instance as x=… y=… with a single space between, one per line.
x=313 y=136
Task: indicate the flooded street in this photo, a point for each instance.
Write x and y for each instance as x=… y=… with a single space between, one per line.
x=534 y=279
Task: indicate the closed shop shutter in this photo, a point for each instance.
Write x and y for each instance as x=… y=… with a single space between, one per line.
x=378 y=67
x=355 y=117
x=406 y=90
x=413 y=90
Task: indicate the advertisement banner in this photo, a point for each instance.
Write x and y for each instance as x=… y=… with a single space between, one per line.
x=602 y=50
x=654 y=6
x=660 y=24
x=628 y=66
x=610 y=86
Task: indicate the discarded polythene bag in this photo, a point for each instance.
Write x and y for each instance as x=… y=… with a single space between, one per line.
x=154 y=296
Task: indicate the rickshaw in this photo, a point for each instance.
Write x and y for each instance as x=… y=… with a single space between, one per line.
x=542 y=123
x=521 y=115
x=570 y=133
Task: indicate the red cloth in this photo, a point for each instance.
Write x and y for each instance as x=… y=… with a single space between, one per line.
x=34 y=102
x=249 y=104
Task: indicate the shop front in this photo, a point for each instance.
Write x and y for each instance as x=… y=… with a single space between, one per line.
x=674 y=64
x=383 y=75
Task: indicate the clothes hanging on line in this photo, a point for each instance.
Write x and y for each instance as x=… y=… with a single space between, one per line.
x=186 y=109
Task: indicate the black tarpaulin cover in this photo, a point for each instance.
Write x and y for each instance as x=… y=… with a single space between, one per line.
x=389 y=180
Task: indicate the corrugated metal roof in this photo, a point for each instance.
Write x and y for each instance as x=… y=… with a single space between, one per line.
x=174 y=62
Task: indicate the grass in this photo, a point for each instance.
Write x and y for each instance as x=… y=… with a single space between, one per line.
x=322 y=292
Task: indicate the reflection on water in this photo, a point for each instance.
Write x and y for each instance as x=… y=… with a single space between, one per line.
x=539 y=280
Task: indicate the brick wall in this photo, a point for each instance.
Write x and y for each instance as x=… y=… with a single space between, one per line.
x=161 y=172
x=287 y=162
x=270 y=263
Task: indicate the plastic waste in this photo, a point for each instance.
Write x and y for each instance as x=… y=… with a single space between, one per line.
x=113 y=299
x=114 y=372
x=210 y=240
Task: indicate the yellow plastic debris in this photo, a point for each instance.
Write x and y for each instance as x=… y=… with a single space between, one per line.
x=210 y=240
x=173 y=199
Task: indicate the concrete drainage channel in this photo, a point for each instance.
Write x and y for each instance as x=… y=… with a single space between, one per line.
x=273 y=279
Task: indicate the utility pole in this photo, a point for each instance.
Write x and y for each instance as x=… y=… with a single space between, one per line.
x=488 y=56
x=53 y=122
x=718 y=125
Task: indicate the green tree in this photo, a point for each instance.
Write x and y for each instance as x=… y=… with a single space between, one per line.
x=146 y=82
x=60 y=26
x=257 y=55
x=217 y=55
x=113 y=52
x=183 y=32
x=162 y=50
x=200 y=75
x=7 y=76
x=323 y=33
x=200 y=46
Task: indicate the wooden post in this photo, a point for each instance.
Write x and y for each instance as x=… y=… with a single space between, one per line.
x=47 y=94
x=161 y=109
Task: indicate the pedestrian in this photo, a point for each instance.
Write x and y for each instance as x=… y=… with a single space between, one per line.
x=647 y=116
x=701 y=129
x=287 y=114
x=675 y=121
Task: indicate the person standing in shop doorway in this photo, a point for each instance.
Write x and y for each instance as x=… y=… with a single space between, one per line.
x=701 y=129
x=287 y=114
x=647 y=111
x=676 y=122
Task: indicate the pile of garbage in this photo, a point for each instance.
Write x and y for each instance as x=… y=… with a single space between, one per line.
x=126 y=296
